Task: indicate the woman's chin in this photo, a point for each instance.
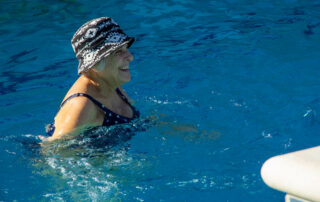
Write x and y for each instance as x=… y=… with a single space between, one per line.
x=125 y=76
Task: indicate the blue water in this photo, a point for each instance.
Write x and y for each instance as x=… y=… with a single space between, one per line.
x=232 y=83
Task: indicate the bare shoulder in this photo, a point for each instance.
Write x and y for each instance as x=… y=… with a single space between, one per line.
x=76 y=112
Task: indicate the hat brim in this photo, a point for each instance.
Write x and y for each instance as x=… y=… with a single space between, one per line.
x=82 y=67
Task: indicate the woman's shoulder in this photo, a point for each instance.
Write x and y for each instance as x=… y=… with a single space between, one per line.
x=78 y=87
x=79 y=108
x=75 y=113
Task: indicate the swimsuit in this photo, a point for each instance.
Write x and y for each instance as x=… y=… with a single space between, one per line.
x=110 y=118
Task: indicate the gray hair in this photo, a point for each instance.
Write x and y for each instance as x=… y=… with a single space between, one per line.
x=100 y=65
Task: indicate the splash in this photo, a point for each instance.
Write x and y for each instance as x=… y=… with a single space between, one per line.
x=84 y=166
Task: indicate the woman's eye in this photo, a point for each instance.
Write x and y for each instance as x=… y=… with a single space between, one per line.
x=118 y=52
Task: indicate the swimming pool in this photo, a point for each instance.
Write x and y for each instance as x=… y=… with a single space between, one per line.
x=232 y=82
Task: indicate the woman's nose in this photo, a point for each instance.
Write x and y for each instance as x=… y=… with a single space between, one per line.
x=129 y=56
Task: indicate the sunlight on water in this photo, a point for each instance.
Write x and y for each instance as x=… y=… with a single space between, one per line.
x=228 y=84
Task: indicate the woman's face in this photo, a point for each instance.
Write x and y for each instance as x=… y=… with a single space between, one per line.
x=117 y=66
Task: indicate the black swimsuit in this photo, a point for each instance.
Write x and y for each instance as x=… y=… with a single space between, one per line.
x=110 y=117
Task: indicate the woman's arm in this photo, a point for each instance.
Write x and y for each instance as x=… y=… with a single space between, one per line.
x=77 y=112
x=190 y=132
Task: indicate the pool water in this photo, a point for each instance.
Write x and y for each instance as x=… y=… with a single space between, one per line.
x=231 y=84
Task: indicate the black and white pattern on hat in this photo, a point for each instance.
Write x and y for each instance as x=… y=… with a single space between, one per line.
x=115 y=37
x=88 y=56
x=91 y=33
x=97 y=39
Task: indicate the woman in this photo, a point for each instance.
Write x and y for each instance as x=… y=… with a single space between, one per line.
x=96 y=98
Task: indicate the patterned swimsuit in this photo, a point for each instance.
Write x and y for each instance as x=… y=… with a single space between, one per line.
x=110 y=117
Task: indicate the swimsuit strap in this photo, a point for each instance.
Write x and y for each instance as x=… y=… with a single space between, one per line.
x=124 y=98
x=136 y=113
x=84 y=95
x=100 y=105
x=94 y=100
x=108 y=121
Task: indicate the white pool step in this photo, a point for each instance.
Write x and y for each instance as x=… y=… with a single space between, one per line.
x=296 y=173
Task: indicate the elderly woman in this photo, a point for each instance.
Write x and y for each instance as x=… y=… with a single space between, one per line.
x=96 y=98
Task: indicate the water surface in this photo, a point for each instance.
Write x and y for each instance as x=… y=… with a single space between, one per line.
x=232 y=83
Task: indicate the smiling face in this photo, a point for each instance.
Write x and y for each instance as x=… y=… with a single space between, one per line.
x=117 y=66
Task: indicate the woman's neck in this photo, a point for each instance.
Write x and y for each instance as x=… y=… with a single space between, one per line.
x=103 y=87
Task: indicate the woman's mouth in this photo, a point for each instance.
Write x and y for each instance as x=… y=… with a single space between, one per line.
x=124 y=69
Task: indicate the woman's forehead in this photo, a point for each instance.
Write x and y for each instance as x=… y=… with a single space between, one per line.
x=124 y=47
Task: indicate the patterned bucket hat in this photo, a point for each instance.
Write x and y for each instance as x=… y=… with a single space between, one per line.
x=96 y=40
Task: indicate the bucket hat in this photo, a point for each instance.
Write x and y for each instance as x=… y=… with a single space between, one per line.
x=97 y=39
